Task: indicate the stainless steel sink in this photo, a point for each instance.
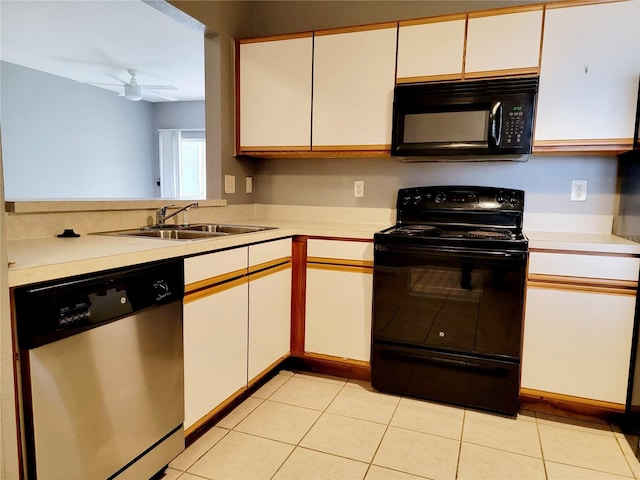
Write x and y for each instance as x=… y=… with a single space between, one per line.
x=224 y=229
x=197 y=231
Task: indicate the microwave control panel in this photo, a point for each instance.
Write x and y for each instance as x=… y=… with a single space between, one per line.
x=515 y=124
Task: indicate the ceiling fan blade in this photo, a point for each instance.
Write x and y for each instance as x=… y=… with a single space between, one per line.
x=159 y=87
x=98 y=83
x=123 y=82
x=160 y=95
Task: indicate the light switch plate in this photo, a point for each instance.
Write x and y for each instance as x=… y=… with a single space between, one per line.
x=248 y=185
x=229 y=184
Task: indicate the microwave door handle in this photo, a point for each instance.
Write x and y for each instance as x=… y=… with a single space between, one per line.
x=496 y=122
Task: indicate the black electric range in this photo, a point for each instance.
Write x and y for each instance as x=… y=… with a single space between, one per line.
x=448 y=297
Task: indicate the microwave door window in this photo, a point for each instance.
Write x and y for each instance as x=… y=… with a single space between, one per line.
x=447 y=128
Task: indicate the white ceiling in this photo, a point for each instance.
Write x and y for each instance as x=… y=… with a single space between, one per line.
x=98 y=40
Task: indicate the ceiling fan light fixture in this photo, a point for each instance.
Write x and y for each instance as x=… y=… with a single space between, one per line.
x=133 y=92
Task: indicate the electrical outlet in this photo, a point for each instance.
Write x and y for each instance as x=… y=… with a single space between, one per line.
x=248 y=185
x=358 y=188
x=229 y=184
x=579 y=191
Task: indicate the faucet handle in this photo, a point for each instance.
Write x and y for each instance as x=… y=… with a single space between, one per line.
x=162 y=212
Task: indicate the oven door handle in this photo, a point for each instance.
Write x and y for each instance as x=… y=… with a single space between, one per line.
x=442 y=251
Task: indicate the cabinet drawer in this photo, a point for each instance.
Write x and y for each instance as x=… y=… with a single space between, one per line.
x=589 y=266
x=214 y=264
x=340 y=249
x=266 y=252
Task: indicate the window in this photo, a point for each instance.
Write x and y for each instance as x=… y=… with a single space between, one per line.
x=182 y=163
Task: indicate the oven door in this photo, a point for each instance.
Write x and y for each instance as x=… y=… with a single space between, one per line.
x=447 y=325
x=449 y=300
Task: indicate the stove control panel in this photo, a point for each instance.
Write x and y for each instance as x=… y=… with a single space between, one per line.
x=460 y=198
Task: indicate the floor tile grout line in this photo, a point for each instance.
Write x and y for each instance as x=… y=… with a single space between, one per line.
x=373 y=457
x=626 y=459
x=464 y=418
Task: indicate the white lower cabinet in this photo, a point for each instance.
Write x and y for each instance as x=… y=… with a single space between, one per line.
x=237 y=317
x=338 y=301
x=578 y=329
x=269 y=304
x=269 y=319
x=215 y=349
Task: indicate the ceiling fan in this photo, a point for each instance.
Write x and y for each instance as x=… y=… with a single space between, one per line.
x=133 y=91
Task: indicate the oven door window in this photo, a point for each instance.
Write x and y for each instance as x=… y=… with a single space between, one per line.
x=450 y=301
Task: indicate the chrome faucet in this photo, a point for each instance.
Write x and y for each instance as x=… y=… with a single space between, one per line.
x=161 y=214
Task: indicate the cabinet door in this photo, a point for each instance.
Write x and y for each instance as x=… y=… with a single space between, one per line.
x=589 y=74
x=578 y=343
x=269 y=318
x=215 y=348
x=275 y=94
x=353 y=80
x=503 y=44
x=433 y=50
x=338 y=312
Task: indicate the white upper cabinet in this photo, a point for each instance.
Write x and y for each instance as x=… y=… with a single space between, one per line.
x=589 y=75
x=353 y=80
x=505 y=43
x=432 y=50
x=275 y=94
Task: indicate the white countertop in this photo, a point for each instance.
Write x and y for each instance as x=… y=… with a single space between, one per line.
x=581 y=242
x=41 y=259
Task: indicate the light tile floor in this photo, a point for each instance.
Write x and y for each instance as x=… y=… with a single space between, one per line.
x=306 y=427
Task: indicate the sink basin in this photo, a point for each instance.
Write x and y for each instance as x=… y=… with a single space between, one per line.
x=223 y=228
x=196 y=231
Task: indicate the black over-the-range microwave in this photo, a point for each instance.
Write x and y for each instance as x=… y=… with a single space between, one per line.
x=464 y=118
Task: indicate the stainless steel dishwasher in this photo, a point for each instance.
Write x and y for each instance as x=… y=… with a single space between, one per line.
x=101 y=361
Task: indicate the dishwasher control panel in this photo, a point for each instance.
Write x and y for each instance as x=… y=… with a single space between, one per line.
x=50 y=311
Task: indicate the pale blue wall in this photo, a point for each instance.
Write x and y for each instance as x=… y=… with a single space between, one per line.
x=62 y=139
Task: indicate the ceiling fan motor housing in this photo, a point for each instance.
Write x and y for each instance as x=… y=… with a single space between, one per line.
x=133 y=92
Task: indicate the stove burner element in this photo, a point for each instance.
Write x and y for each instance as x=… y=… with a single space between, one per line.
x=419 y=230
x=493 y=234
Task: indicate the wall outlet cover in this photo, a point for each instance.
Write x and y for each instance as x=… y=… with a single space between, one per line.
x=229 y=184
x=248 y=185
x=579 y=191
x=358 y=188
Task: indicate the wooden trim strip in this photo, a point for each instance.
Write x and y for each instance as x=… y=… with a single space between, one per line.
x=278 y=148
x=269 y=271
x=503 y=73
x=237 y=100
x=594 y=288
x=347 y=148
x=578 y=3
x=208 y=282
x=580 y=142
x=298 y=294
x=581 y=252
x=529 y=393
x=340 y=261
x=320 y=154
x=506 y=10
x=267 y=370
x=214 y=413
x=221 y=287
x=336 y=366
x=601 y=282
x=340 y=268
x=429 y=78
x=423 y=21
x=343 y=239
x=270 y=264
x=356 y=28
x=612 y=146
x=286 y=36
